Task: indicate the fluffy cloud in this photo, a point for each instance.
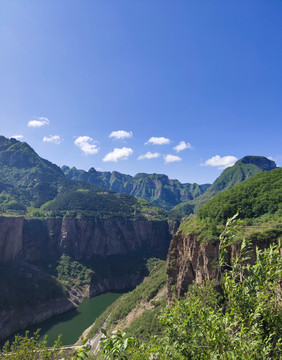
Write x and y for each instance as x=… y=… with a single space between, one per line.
x=52 y=139
x=120 y=134
x=118 y=154
x=221 y=162
x=149 y=155
x=158 y=141
x=17 y=137
x=171 y=158
x=41 y=121
x=182 y=146
x=85 y=143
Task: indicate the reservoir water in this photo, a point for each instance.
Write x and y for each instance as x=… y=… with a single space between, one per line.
x=72 y=323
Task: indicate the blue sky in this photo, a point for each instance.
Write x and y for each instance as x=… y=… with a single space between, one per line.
x=176 y=87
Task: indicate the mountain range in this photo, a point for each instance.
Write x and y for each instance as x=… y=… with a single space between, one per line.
x=157 y=189
x=29 y=182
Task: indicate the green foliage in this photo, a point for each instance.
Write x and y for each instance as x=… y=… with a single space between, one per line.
x=30 y=348
x=205 y=229
x=243 y=169
x=252 y=198
x=146 y=325
x=116 y=345
x=72 y=273
x=82 y=352
x=183 y=209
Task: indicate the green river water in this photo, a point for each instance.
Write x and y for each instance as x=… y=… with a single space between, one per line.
x=72 y=323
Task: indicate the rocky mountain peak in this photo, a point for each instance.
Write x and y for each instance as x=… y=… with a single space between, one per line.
x=262 y=162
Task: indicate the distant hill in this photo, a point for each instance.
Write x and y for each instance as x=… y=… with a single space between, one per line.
x=157 y=189
x=243 y=169
x=32 y=185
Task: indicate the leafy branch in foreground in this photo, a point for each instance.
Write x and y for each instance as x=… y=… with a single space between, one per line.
x=116 y=345
x=33 y=348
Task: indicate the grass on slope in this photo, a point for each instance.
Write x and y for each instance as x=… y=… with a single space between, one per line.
x=126 y=303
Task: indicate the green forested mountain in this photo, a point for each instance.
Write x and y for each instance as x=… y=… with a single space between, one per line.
x=243 y=169
x=25 y=178
x=252 y=198
x=157 y=189
x=32 y=185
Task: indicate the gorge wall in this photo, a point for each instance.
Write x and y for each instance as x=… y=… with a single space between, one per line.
x=35 y=240
x=189 y=261
x=32 y=246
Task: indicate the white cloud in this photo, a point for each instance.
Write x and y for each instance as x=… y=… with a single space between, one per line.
x=221 y=162
x=182 y=146
x=17 y=137
x=85 y=143
x=120 y=134
x=158 y=141
x=118 y=154
x=52 y=139
x=41 y=121
x=149 y=155
x=171 y=158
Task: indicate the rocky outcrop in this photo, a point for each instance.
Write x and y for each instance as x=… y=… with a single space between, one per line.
x=35 y=240
x=190 y=261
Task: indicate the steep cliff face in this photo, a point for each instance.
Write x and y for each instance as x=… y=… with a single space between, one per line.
x=190 y=261
x=33 y=247
x=35 y=240
x=11 y=230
